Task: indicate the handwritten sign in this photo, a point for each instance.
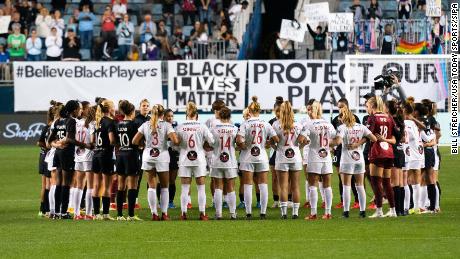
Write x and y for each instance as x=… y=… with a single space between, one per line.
x=340 y=22
x=433 y=8
x=317 y=12
x=4 y=23
x=292 y=30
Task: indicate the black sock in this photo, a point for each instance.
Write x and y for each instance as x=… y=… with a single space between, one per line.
x=258 y=196
x=83 y=199
x=158 y=191
x=396 y=196
x=241 y=195
x=47 y=200
x=431 y=188
x=97 y=205
x=353 y=189
x=402 y=197
x=172 y=192
x=105 y=205
x=58 y=199
x=289 y=197
x=131 y=201
x=276 y=197
x=340 y=189
x=65 y=199
x=139 y=184
x=42 y=207
x=411 y=197
x=120 y=196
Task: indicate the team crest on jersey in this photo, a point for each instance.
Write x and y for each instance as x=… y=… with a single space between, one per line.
x=322 y=153
x=355 y=155
x=192 y=155
x=80 y=151
x=289 y=153
x=420 y=149
x=407 y=151
x=155 y=152
x=255 y=151
x=224 y=157
x=384 y=145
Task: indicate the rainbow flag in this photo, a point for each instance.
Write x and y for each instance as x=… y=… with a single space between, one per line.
x=405 y=47
x=443 y=84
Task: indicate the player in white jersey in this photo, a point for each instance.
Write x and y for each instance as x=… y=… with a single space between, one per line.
x=251 y=139
x=192 y=162
x=224 y=165
x=352 y=136
x=288 y=161
x=320 y=133
x=155 y=158
x=304 y=121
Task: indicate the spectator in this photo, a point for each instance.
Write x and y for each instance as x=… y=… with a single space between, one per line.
x=437 y=32
x=89 y=3
x=147 y=29
x=75 y=14
x=168 y=9
x=58 y=5
x=224 y=18
x=8 y=8
x=28 y=12
x=153 y=50
x=43 y=25
x=72 y=24
x=16 y=18
x=236 y=9
x=119 y=10
x=4 y=55
x=204 y=11
x=162 y=32
x=284 y=49
x=188 y=50
x=177 y=39
x=200 y=38
x=4 y=66
x=221 y=34
x=17 y=43
x=359 y=12
x=175 y=54
x=162 y=37
x=421 y=4
x=188 y=11
x=53 y=46
x=3 y=36
x=34 y=46
x=194 y=31
x=125 y=2
x=108 y=33
x=319 y=41
x=71 y=47
x=125 y=32
x=85 y=26
x=387 y=40
x=58 y=23
x=374 y=11
x=232 y=46
x=404 y=9
x=133 y=54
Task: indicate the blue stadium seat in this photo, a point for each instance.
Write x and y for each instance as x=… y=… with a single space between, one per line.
x=157 y=9
x=85 y=54
x=97 y=30
x=186 y=30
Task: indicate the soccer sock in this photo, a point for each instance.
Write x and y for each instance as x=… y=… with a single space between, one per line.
x=152 y=199
x=283 y=208
x=346 y=197
x=97 y=205
x=120 y=195
x=138 y=186
x=164 y=197
x=389 y=192
x=416 y=195
x=396 y=197
x=321 y=191
x=185 y=188
x=411 y=203
x=313 y=199
x=289 y=197
x=105 y=205
x=307 y=192
x=423 y=196
x=361 y=197
x=241 y=196
x=158 y=191
x=71 y=202
x=295 y=209
x=276 y=197
x=401 y=199
x=172 y=192
x=46 y=201
x=131 y=201
x=378 y=192
x=218 y=202
x=89 y=202
x=65 y=199
x=353 y=189
x=340 y=188
x=263 y=187
x=113 y=192
x=439 y=187
x=78 y=194
x=42 y=207
x=258 y=196
x=328 y=194
x=57 y=199
x=432 y=196
x=202 y=198
x=189 y=199
x=248 y=198
x=406 y=197
x=232 y=202
x=437 y=197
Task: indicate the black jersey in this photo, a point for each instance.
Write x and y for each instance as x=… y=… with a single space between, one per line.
x=101 y=136
x=43 y=138
x=65 y=128
x=126 y=130
x=140 y=119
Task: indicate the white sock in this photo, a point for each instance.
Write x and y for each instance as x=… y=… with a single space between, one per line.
x=77 y=200
x=321 y=191
x=423 y=196
x=263 y=187
x=416 y=195
x=393 y=210
x=346 y=197
x=295 y=209
x=361 y=197
x=189 y=199
x=218 y=202
x=89 y=202
x=226 y=198
x=283 y=207
x=71 y=198
x=313 y=199
x=184 y=198
x=231 y=197
x=437 y=197
x=137 y=200
x=202 y=198
x=164 y=197
x=152 y=198
x=379 y=211
x=307 y=192
x=328 y=194
x=248 y=198
x=406 y=197
x=51 y=199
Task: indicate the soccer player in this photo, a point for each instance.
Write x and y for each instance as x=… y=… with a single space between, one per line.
x=241 y=205
x=271 y=162
x=155 y=158
x=320 y=133
x=103 y=137
x=251 y=139
x=305 y=120
x=173 y=160
x=192 y=161
x=351 y=135
x=224 y=164
x=288 y=157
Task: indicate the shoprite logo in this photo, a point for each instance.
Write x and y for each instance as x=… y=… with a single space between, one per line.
x=14 y=131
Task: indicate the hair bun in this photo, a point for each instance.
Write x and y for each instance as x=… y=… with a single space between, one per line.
x=53 y=102
x=254 y=98
x=279 y=99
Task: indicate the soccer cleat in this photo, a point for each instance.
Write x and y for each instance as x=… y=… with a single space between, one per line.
x=276 y=204
x=258 y=205
x=405 y=212
x=225 y=205
x=327 y=216
x=183 y=216
x=438 y=210
x=283 y=216
x=372 y=206
x=422 y=210
x=125 y=206
x=79 y=217
x=135 y=218
x=165 y=217
x=390 y=214
x=171 y=205
x=53 y=216
x=263 y=216
x=155 y=217
x=99 y=217
x=113 y=206
x=362 y=214
x=233 y=216
x=203 y=217
x=311 y=217
x=66 y=216
x=89 y=217
x=355 y=205
x=189 y=205
x=346 y=214
x=376 y=215
x=339 y=206
x=248 y=216
x=323 y=205
x=428 y=212
x=107 y=217
x=217 y=217
x=121 y=218
x=306 y=205
x=241 y=205
x=40 y=214
x=295 y=216
x=414 y=212
x=70 y=210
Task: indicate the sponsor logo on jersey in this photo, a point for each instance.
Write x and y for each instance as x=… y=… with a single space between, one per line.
x=255 y=151
x=192 y=155
x=355 y=155
x=384 y=145
x=322 y=153
x=224 y=157
x=155 y=152
x=80 y=151
x=289 y=153
x=420 y=149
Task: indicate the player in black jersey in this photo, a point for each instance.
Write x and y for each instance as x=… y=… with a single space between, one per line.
x=63 y=139
x=103 y=138
x=271 y=162
x=173 y=161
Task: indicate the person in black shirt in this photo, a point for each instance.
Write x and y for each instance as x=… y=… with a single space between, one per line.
x=173 y=161
x=367 y=147
x=104 y=139
x=71 y=47
x=275 y=183
x=319 y=41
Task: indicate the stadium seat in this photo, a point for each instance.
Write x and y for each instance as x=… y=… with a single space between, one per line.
x=85 y=54
x=97 y=30
x=186 y=30
x=66 y=18
x=157 y=9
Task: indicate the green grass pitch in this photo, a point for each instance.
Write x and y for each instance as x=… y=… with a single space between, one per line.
x=23 y=234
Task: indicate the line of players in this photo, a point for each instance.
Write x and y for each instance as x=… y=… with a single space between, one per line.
x=81 y=144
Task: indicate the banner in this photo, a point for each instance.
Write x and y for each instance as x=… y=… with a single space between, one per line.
x=317 y=12
x=4 y=23
x=292 y=30
x=21 y=129
x=36 y=83
x=204 y=81
x=340 y=22
x=433 y=8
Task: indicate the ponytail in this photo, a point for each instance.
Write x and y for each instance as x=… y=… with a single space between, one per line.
x=254 y=106
x=191 y=111
x=347 y=117
x=103 y=107
x=376 y=103
x=286 y=116
x=154 y=114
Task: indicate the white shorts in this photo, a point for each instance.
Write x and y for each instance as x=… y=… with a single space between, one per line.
x=158 y=166
x=288 y=166
x=414 y=164
x=352 y=168
x=227 y=173
x=254 y=167
x=305 y=155
x=50 y=166
x=320 y=168
x=84 y=166
x=436 y=161
x=192 y=171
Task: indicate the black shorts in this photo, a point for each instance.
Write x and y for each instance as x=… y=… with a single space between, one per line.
x=64 y=160
x=272 y=159
x=429 y=157
x=127 y=163
x=400 y=159
x=103 y=163
x=43 y=166
x=173 y=159
x=240 y=173
x=336 y=156
x=386 y=163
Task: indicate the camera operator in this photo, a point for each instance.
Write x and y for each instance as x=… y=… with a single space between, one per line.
x=390 y=84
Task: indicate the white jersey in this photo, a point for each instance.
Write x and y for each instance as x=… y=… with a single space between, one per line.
x=304 y=121
x=224 y=146
x=156 y=143
x=414 y=145
x=350 y=136
x=83 y=135
x=320 y=132
x=287 y=150
x=255 y=133
x=193 y=135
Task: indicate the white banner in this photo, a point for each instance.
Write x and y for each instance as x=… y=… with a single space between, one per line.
x=204 y=81
x=340 y=22
x=36 y=83
x=317 y=12
x=433 y=8
x=292 y=30
x=4 y=23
